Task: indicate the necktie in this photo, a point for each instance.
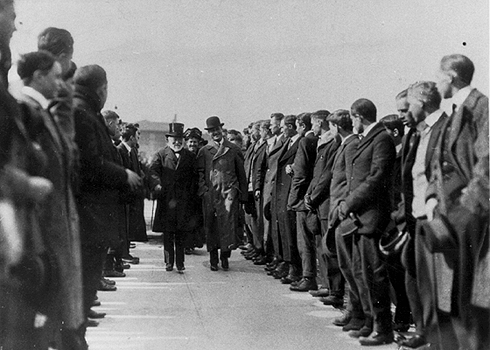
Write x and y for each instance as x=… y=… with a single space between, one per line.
x=414 y=143
x=454 y=108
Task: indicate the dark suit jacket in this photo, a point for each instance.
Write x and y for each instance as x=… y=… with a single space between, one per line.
x=459 y=181
x=101 y=176
x=175 y=202
x=404 y=212
x=270 y=175
x=369 y=183
x=338 y=185
x=319 y=188
x=283 y=180
x=303 y=165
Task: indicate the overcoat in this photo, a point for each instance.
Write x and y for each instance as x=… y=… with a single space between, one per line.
x=222 y=185
x=102 y=178
x=270 y=175
x=319 y=188
x=369 y=183
x=459 y=181
x=303 y=165
x=175 y=210
x=58 y=214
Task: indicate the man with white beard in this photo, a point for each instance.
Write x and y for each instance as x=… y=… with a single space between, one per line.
x=174 y=182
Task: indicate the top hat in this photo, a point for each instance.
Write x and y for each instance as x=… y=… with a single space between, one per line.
x=175 y=130
x=213 y=122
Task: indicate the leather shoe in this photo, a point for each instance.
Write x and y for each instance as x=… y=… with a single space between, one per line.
x=95 y=314
x=131 y=259
x=132 y=245
x=108 y=281
x=304 y=285
x=289 y=279
x=114 y=273
x=342 y=320
x=169 y=267
x=354 y=324
x=363 y=332
x=332 y=300
x=322 y=292
x=261 y=261
x=95 y=303
x=376 y=338
x=401 y=327
x=225 y=264
x=92 y=323
x=105 y=287
x=180 y=269
x=214 y=267
x=414 y=342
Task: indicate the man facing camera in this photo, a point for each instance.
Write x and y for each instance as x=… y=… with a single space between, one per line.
x=222 y=185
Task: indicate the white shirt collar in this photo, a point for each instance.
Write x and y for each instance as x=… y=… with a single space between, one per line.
x=127 y=146
x=346 y=138
x=294 y=138
x=368 y=128
x=36 y=95
x=461 y=96
x=430 y=120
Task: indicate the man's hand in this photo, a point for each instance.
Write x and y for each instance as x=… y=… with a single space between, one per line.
x=289 y=170
x=257 y=195
x=307 y=201
x=342 y=210
x=134 y=180
x=430 y=207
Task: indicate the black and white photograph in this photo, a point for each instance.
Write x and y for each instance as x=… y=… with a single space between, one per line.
x=244 y=174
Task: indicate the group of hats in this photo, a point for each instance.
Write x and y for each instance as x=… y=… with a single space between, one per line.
x=177 y=129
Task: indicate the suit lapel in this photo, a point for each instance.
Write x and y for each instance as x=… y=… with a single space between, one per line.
x=222 y=150
x=434 y=136
x=457 y=119
x=368 y=139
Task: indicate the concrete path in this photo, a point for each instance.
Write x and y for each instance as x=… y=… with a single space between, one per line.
x=242 y=308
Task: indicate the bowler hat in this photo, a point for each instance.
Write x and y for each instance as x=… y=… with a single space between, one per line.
x=393 y=239
x=213 y=122
x=175 y=130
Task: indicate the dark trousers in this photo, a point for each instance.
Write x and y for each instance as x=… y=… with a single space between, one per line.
x=92 y=263
x=396 y=273
x=370 y=270
x=344 y=255
x=173 y=248
x=289 y=239
x=335 y=279
x=306 y=245
x=215 y=256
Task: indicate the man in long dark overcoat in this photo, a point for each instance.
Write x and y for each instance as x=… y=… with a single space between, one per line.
x=174 y=181
x=222 y=185
x=102 y=178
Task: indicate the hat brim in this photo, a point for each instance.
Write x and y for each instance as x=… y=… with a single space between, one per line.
x=173 y=134
x=213 y=127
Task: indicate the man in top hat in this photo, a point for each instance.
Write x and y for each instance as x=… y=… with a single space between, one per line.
x=222 y=185
x=173 y=180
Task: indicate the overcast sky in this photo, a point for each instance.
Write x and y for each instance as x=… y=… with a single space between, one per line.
x=244 y=59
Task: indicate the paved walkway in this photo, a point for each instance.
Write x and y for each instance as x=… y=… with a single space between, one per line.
x=242 y=308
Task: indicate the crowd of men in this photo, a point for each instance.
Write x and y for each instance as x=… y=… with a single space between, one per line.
x=358 y=212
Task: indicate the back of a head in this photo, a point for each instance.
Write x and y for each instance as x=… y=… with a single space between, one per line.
x=291 y=120
x=33 y=61
x=341 y=118
x=110 y=115
x=305 y=119
x=277 y=116
x=366 y=108
x=461 y=65
x=426 y=92
x=392 y=122
x=55 y=40
x=91 y=77
x=321 y=114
